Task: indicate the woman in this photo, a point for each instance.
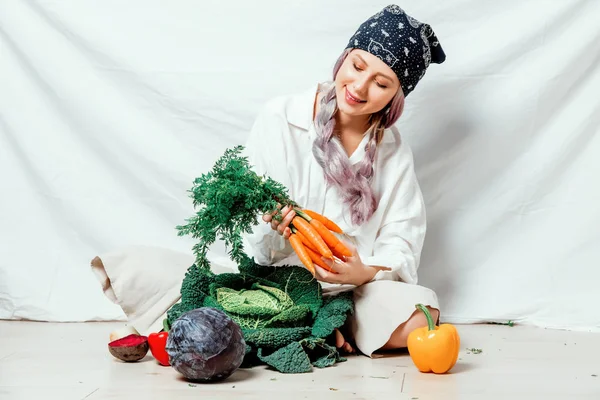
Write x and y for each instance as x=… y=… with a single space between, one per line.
x=336 y=150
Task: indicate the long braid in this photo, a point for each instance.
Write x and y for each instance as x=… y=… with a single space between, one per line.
x=329 y=153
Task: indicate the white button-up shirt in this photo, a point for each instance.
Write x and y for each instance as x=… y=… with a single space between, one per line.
x=280 y=146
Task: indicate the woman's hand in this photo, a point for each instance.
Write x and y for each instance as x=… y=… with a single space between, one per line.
x=351 y=270
x=282 y=227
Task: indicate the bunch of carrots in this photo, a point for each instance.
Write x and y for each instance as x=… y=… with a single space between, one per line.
x=312 y=238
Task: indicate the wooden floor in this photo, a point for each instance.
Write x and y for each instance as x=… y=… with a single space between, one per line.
x=71 y=361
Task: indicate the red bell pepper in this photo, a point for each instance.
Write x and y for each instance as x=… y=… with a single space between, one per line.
x=157 y=342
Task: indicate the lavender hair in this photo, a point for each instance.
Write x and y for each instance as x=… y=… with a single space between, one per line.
x=354 y=187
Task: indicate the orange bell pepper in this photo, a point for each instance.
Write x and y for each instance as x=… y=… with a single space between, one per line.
x=433 y=348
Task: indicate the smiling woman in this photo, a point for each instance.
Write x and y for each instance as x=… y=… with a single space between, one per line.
x=336 y=150
x=364 y=176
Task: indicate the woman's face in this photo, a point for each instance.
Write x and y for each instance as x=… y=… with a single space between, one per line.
x=364 y=84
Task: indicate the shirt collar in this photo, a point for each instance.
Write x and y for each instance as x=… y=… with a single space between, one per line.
x=300 y=108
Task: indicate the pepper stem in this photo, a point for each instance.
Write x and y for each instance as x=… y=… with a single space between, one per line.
x=166 y=325
x=430 y=323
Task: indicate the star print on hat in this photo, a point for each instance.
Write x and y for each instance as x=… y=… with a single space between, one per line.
x=405 y=44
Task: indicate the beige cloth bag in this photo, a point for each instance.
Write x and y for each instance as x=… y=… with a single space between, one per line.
x=145 y=282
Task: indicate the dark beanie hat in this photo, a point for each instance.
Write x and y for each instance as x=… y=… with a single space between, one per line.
x=406 y=45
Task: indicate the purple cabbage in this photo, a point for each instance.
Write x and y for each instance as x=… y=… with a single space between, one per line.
x=205 y=345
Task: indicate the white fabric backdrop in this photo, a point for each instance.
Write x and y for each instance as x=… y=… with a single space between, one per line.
x=109 y=110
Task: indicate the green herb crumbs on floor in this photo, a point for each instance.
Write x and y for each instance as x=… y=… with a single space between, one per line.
x=379 y=377
x=190 y=385
x=474 y=351
x=334 y=389
x=594 y=375
x=509 y=323
x=273 y=379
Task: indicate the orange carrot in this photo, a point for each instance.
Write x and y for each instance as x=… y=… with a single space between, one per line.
x=316 y=258
x=338 y=254
x=309 y=245
x=330 y=239
x=312 y=235
x=326 y=221
x=305 y=241
x=302 y=253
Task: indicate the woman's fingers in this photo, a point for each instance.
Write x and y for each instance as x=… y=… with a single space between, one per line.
x=287 y=232
x=335 y=266
x=326 y=276
x=274 y=223
x=288 y=215
x=281 y=225
x=269 y=217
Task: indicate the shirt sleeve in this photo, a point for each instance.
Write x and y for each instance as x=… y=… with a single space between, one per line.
x=266 y=155
x=400 y=237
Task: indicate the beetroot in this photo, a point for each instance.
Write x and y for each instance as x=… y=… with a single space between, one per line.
x=129 y=348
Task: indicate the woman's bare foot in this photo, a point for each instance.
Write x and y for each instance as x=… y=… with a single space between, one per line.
x=341 y=343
